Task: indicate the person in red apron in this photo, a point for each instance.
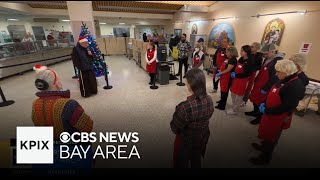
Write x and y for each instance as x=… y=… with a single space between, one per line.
x=218 y=60
x=257 y=59
x=197 y=57
x=151 y=56
x=190 y=122
x=277 y=110
x=265 y=79
x=240 y=79
x=225 y=75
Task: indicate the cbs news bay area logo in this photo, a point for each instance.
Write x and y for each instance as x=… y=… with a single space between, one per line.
x=36 y=145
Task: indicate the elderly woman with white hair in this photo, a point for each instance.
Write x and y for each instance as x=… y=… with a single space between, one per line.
x=54 y=106
x=277 y=110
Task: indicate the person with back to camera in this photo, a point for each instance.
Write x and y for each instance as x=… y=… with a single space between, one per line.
x=265 y=79
x=151 y=57
x=54 y=106
x=277 y=109
x=224 y=74
x=190 y=122
x=240 y=78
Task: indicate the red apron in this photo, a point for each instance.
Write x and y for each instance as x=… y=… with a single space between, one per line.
x=272 y=125
x=225 y=78
x=152 y=67
x=239 y=85
x=196 y=58
x=261 y=80
x=220 y=61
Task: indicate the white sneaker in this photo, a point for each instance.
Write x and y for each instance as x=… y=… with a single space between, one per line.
x=231 y=112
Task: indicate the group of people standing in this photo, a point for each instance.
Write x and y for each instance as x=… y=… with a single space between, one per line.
x=273 y=84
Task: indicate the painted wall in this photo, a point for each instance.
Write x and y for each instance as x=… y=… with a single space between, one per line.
x=298 y=28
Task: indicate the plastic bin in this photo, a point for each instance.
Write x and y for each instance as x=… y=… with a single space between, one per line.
x=163 y=74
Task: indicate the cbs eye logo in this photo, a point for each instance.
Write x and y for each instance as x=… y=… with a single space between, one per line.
x=65 y=137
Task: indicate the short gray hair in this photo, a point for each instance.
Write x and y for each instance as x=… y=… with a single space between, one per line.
x=286 y=66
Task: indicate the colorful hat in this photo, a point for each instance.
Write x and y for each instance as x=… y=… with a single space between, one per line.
x=82 y=39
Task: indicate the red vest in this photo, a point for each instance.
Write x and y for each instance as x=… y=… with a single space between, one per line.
x=271 y=125
x=239 y=85
x=261 y=80
x=225 y=78
x=152 y=67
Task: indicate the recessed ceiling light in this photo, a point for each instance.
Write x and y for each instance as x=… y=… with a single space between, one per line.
x=12 y=19
x=102 y=23
x=65 y=20
x=122 y=23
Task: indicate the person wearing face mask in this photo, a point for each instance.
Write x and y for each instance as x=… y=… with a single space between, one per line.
x=54 y=106
x=265 y=79
x=83 y=61
x=190 y=122
x=277 y=109
x=151 y=56
x=197 y=57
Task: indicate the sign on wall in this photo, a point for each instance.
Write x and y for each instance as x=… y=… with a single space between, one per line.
x=220 y=31
x=305 y=48
x=273 y=32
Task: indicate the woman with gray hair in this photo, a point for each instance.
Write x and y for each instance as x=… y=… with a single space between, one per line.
x=277 y=110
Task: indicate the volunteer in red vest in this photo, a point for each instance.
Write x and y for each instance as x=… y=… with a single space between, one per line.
x=151 y=56
x=197 y=57
x=218 y=60
x=264 y=81
x=277 y=110
x=225 y=75
x=257 y=58
x=240 y=77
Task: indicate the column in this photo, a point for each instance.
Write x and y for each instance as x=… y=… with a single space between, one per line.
x=80 y=11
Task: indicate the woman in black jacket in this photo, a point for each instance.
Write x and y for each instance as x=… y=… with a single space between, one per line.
x=277 y=110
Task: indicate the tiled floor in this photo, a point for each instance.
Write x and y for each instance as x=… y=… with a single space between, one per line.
x=132 y=106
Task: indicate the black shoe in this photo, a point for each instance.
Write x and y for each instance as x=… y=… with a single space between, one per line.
x=256 y=121
x=259 y=161
x=178 y=74
x=300 y=113
x=252 y=113
x=257 y=146
x=218 y=101
x=220 y=108
x=184 y=76
x=150 y=83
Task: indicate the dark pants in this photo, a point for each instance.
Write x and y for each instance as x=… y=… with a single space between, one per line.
x=246 y=97
x=215 y=84
x=223 y=100
x=181 y=62
x=88 y=83
x=185 y=157
x=259 y=114
x=268 y=149
x=152 y=77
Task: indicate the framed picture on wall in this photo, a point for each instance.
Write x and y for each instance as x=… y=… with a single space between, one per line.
x=194 y=29
x=273 y=32
x=219 y=32
x=177 y=32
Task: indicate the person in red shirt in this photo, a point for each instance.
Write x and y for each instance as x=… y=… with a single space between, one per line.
x=151 y=56
x=197 y=57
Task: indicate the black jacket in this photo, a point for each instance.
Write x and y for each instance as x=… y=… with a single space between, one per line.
x=272 y=74
x=81 y=59
x=291 y=93
x=304 y=78
x=257 y=59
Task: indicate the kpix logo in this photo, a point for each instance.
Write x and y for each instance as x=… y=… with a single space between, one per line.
x=35 y=145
